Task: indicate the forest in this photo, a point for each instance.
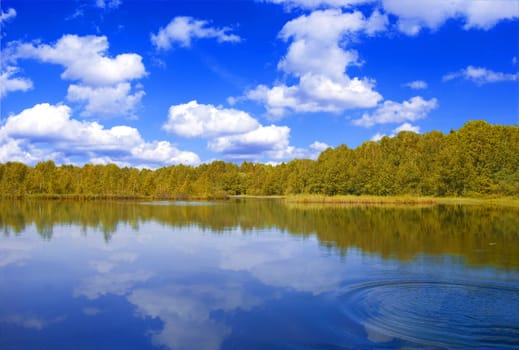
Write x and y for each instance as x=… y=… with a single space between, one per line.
x=479 y=159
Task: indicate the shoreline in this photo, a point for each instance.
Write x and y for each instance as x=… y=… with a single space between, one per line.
x=401 y=200
x=342 y=200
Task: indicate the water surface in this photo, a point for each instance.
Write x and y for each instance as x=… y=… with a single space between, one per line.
x=257 y=275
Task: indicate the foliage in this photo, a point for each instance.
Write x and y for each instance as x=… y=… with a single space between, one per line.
x=478 y=159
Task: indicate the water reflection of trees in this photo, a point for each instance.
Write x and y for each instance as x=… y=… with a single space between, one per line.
x=482 y=235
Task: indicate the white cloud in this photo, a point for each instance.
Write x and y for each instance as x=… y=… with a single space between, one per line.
x=234 y=133
x=316 y=39
x=403 y=127
x=393 y=112
x=319 y=146
x=163 y=152
x=290 y=152
x=433 y=13
x=316 y=56
x=483 y=14
x=4 y=16
x=313 y=4
x=85 y=59
x=182 y=30
x=48 y=123
x=20 y=151
x=104 y=81
x=417 y=85
x=407 y=127
x=481 y=75
x=199 y=120
x=106 y=100
x=48 y=132
x=8 y=83
x=317 y=93
x=377 y=137
x=270 y=142
x=110 y=4
x=253 y=143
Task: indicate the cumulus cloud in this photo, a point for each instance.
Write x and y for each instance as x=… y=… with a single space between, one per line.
x=290 y=152
x=48 y=123
x=48 y=132
x=403 y=127
x=86 y=59
x=263 y=139
x=199 y=120
x=182 y=30
x=377 y=137
x=108 y=4
x=8 y=83
x=234 y=133
x=313 y=4
x=104 y=82
x=407 y=127
x=481 y=75
x=316 y=93
x=417 y=85
x=317 y=57
x=106 y=100
x=433 y=13
x=5 y=16
x=393 y=112
x=429 y=14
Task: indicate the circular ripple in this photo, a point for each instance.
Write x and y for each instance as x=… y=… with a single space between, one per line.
x=433 y=313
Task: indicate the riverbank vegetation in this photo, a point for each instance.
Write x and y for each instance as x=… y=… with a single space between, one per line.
x=477 y=160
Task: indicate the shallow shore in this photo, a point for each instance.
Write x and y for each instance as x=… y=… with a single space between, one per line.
x=296 y=199
x=401 y=200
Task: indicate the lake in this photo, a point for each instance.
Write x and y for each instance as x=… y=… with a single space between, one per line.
x=257 y=274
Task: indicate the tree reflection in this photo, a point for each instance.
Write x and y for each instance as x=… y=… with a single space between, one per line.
x=481 y=235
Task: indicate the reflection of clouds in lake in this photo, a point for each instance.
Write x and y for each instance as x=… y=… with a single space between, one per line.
x=15 y=251
x=91 y=311
x=274 y=259
x=31 y=321
x=301 y=273
x=186 y=311
x=377 y=336
x=110 y=283
x=105 y=266
x=127 y=257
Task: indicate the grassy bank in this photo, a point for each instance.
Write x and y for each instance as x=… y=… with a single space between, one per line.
x=402 y=200
x=295 y=199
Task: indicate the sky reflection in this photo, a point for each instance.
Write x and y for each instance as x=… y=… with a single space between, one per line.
x=186 y=287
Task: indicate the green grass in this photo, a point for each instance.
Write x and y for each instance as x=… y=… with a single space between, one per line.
x=402 y=200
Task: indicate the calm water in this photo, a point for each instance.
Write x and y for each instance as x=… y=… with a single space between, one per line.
x=257 y=275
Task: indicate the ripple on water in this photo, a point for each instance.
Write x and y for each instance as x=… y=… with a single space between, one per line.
x=434 y=313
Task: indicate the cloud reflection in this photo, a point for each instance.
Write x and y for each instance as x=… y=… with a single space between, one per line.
x=114 y=283
x=186 y=311
x=31 y=321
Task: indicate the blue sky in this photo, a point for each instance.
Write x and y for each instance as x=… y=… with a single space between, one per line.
x=155 y=83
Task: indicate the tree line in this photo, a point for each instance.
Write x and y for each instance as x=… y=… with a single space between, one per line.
x=478 y=159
